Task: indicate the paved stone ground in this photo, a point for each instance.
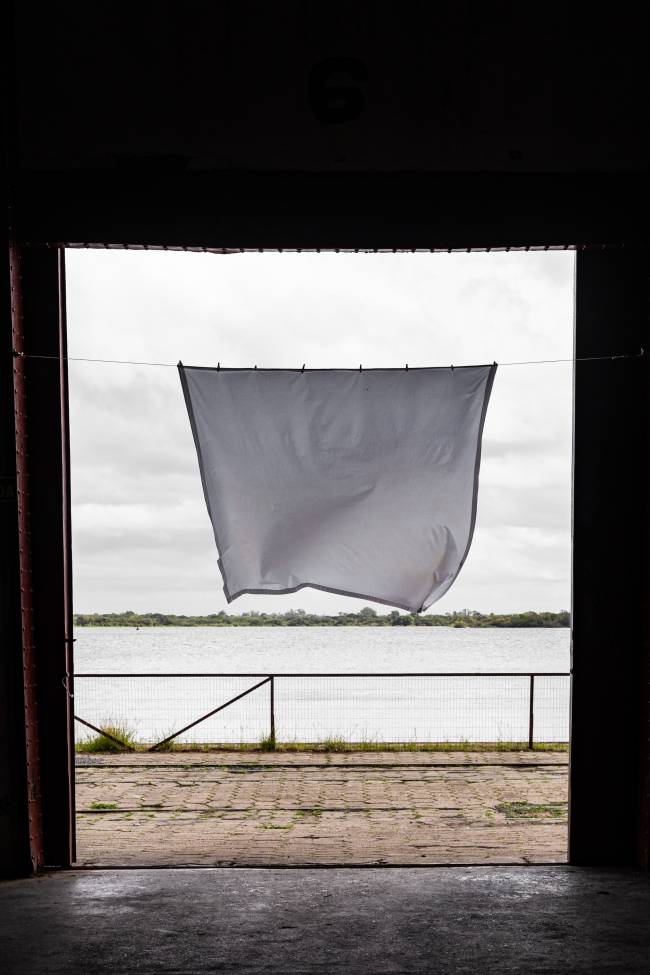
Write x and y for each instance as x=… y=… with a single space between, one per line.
x=282 y=809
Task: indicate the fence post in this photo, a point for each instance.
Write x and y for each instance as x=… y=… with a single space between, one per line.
x=272 y=710
x=531 y=711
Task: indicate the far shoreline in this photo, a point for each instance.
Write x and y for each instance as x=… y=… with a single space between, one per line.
x=367 y=617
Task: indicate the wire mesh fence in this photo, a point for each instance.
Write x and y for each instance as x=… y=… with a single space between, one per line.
x=192 y=709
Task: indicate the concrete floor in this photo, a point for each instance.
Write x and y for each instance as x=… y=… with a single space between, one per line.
x=479 y=920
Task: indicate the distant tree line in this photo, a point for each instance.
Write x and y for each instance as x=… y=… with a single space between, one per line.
x=298 y=617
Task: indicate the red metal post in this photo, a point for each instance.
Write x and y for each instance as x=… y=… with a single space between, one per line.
x=44 y=514
x=26 y=593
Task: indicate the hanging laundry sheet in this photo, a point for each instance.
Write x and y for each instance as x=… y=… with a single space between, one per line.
x=358 y=482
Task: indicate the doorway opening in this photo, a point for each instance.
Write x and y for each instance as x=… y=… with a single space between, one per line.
x=314 y=728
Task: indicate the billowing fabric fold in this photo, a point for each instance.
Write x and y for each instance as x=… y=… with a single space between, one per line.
x=362 y=483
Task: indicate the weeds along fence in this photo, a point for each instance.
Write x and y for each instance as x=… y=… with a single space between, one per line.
x=409 y=708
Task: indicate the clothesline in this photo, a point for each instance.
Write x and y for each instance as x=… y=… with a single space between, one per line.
x=174 y=365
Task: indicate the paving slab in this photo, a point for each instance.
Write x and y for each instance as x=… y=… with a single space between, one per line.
x=408 y=757
x=283 y=810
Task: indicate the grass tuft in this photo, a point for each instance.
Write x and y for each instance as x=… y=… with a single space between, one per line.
x=332 y=744
x=166 y=746
x=123 y=735
x=532 y=810
x=267 y=744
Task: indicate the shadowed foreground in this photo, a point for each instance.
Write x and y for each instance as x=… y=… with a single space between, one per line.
x=487 y=920
x=283 y=809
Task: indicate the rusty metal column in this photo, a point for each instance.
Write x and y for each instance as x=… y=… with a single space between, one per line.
x=26 y=582
x=21 y=847
x=611 y=553
x=46 y=419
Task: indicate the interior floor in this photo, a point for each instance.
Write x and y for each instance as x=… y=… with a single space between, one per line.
x=387 y=921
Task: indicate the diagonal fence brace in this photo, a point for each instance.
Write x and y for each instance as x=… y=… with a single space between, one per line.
x=209 y=714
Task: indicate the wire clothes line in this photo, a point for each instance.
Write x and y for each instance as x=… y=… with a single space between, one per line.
x=174 y=365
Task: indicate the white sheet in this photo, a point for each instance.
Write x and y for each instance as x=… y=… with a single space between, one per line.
x=360 y=483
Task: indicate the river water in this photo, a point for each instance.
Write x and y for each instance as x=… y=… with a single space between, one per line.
x=411 y=707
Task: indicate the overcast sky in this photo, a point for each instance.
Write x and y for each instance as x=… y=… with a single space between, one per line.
x=142 y=538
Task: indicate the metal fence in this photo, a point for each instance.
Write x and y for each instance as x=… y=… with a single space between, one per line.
x=526 y=708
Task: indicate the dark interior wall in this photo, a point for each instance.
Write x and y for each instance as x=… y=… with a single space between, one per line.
x=340 y=125
x=611 y=557
x=398 y=125
x=372 y=86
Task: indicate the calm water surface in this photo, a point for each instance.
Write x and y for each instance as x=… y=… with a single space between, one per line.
x=412 y=708
x=318 y=649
